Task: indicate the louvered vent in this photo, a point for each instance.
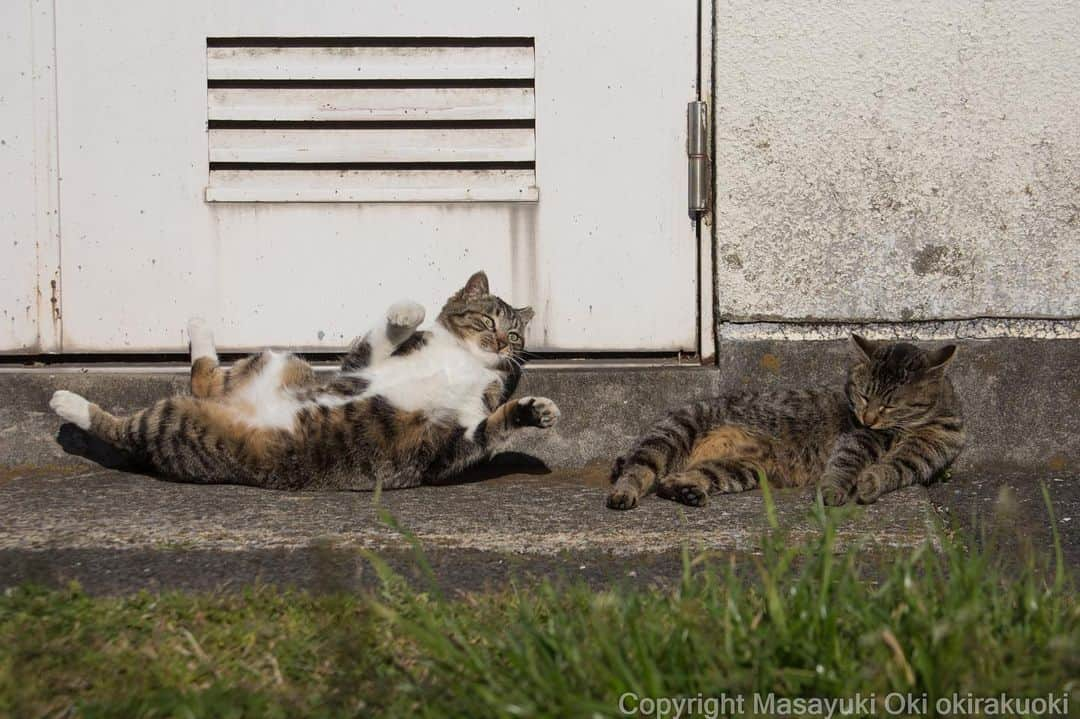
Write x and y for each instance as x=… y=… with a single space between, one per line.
x=371 y=120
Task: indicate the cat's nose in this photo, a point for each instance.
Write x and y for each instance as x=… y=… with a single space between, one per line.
x=869 y=417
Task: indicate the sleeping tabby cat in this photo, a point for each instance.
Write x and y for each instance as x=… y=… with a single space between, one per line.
x=406 y=407
x=897 y=422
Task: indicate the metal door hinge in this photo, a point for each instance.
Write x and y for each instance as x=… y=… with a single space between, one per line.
x=697 y=135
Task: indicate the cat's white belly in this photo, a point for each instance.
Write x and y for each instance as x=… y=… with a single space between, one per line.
x=442 y=380
x=262 y=403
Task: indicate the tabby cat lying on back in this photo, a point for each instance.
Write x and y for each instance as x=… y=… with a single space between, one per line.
x=897 y=422
x=406 y=407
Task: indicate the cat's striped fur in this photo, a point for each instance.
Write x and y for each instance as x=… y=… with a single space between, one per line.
x=406 y=408
x=897 y=422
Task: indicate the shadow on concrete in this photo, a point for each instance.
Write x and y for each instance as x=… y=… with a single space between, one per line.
x=81 y=443
x=501 y=465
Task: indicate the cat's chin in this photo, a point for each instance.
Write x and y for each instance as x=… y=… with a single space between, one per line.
x=498 y=362
x=491 y=360
x=504 y=363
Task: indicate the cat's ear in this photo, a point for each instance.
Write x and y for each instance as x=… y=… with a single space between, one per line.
x=476 y=287
x=864 y=347
x=939 y=358
x=525 y=314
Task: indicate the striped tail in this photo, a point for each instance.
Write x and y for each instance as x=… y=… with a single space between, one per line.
x=168 y=434
x=117 y=431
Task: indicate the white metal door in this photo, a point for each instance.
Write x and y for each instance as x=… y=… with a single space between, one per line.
x=29 y=238
x=606 y=254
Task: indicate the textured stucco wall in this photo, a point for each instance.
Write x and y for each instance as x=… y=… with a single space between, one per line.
x=896 y=160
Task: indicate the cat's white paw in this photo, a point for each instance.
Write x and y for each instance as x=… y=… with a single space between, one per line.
x=405 y=313
x=538 y=412
x=72 y=407
x=201 y=338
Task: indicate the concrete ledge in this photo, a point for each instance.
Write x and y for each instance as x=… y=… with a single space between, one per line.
x=115 y=531
x=1020 y=398
x=1019 y=395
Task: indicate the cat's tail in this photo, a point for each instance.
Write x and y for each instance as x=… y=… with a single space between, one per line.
x=183 y=438
x=122 y=432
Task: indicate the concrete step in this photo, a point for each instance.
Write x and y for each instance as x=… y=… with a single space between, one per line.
x=1020 y=398
x=116 y=531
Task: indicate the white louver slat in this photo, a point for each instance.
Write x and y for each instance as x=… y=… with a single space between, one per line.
x=371 y=120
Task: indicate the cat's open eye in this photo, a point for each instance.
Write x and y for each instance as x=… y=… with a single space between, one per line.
x=488 y=322
x=513 y=336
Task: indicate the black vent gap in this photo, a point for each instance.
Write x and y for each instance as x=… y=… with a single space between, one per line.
x=369 y=42
x=367 y=124
x=524 y=82
x=255 y=166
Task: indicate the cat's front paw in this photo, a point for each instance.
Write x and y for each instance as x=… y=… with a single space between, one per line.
x=537 y=412
x=622 y=498
x=405 y=314
x=870 y=485
x=833 y=494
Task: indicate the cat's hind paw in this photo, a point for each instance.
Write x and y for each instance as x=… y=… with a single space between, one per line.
x=201 y=339
x=405 y=314
x=537 y=412
x=692 y=496
x=71 y=407
x=833 y=495
x=685 y=490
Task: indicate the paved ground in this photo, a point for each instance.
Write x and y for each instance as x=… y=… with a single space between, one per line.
x=116 y=531
x=1006 y=511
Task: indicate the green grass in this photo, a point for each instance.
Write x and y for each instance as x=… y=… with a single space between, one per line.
x=803 y=621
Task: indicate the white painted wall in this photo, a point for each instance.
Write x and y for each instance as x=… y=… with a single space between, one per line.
x=897 y=160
